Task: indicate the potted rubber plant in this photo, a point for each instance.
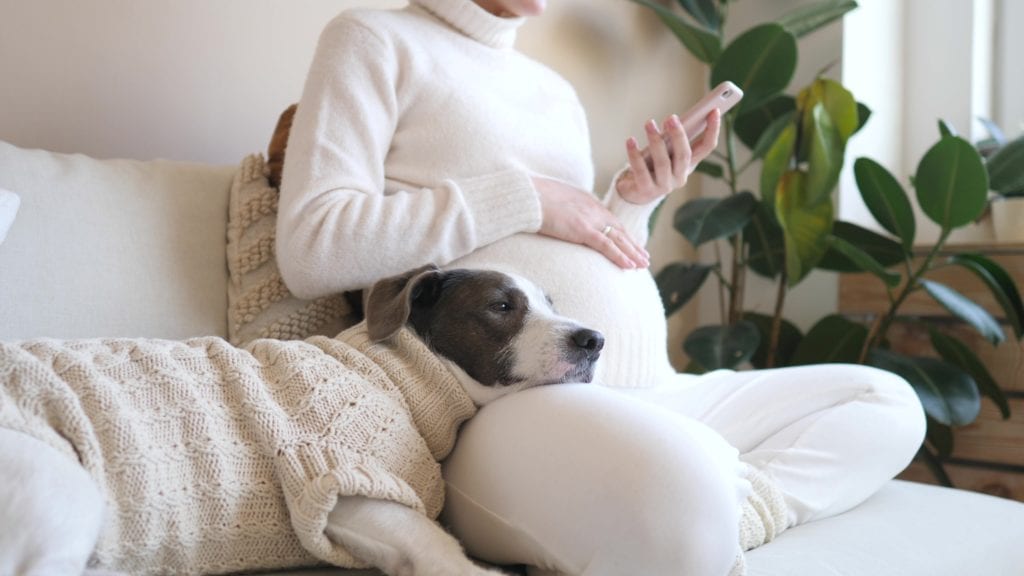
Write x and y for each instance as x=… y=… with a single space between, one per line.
x=786 y=227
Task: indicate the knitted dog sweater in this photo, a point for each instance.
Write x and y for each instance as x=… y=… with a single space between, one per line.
x=216 y=459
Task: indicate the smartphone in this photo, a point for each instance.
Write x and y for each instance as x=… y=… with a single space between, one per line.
x=724 y=97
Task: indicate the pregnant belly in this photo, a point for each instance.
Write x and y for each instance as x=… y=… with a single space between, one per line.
x=587 y=287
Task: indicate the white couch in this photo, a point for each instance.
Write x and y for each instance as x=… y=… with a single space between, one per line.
x=127 y=248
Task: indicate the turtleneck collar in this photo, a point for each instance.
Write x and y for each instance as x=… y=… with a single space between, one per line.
x=469 y=18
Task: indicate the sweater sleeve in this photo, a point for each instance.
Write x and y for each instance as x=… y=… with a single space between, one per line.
x=635 y=218
x=337 y=230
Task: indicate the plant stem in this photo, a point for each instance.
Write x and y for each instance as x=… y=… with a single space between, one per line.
x=909 y=288
x=723 y=283
x=935 y=466
x=773 y=339
x=717 y=271
x=875 y=325
x=738 y=269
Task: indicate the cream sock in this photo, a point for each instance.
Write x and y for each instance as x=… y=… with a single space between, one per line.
x=765 y=515
x=739 y=568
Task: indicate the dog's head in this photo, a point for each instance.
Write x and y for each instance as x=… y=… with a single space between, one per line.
x=497 y=332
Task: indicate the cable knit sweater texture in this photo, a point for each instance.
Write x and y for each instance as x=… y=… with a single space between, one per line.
x=215 y=459
x=415 y=139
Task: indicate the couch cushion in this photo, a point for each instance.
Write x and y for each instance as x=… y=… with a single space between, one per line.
x=113 y=247
x=259 y=303
x=906 y=529
x=9 y=203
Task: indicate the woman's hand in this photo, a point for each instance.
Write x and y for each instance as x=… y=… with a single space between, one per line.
x=573 y=215
x=668 y=170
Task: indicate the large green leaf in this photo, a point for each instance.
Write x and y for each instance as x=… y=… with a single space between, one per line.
x=946 y=129
x=833 y=339
x=885 y=251
x=704 y=12
x=706 y=46
x=959 y=355
x=704 y=219
x=1006 y=168
x=766 y=247
x=941 y=437
x=709 y=168
x=865 y=261
x=715 y=347
x=838 y=102
x=964 y=308
x=1000 y=283
x=948 y=394
x=951 y=183
x=807 y=19
x=826 y=156
x=751 y=125
x=770 y=135
x=863 y=115
x=776 y=162
x=679 y=282
x=789 y=339
x=761 y=61
x=886 y=200
x=805 y=225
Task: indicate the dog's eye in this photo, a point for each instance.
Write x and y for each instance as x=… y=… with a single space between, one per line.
x=501 y=307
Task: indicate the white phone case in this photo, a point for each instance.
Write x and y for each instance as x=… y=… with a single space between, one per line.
x=724 y=97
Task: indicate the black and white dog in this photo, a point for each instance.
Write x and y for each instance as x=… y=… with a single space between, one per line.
x=497 y=333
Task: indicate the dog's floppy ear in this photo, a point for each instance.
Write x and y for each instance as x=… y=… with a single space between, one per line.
x=390 y=301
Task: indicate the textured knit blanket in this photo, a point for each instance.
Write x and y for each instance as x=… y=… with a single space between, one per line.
x=216 y=459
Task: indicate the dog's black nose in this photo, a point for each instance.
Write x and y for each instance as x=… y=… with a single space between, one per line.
x=590 y=341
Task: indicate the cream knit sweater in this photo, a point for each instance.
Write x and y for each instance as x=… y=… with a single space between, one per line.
x=215 y=459
x=415 y=138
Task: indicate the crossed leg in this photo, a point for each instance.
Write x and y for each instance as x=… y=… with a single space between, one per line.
x=582 y=480
x=829 y=435
x=590 y=481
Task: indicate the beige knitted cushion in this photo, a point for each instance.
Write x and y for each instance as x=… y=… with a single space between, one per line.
x=259 y=303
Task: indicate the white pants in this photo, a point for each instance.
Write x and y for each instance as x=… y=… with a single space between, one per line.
x=594 y=481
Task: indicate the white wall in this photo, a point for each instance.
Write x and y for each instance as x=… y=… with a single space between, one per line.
x=205 y=81
x=1009 y=74
x=179 y=79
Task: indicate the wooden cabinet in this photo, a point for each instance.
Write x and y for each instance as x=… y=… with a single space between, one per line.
x=989 y=454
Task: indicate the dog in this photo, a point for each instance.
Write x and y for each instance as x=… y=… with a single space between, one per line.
x=494 y=333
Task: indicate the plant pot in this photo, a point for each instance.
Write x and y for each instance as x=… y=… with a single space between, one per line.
x=1008 y=219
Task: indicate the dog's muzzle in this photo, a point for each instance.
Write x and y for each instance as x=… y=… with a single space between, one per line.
x=585 y=345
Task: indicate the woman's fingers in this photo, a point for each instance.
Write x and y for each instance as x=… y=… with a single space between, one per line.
x=574 y=216
x=619 y=247
x=681 y=152
x=660 y=156
x=641 y=173
x=709 y=140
